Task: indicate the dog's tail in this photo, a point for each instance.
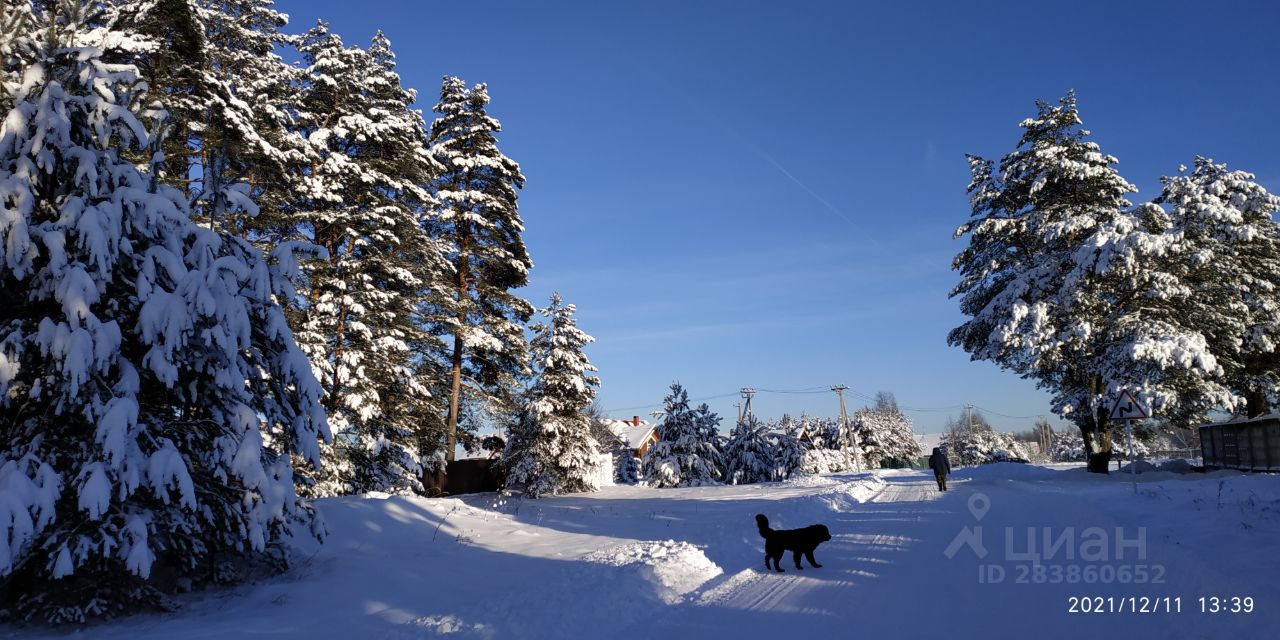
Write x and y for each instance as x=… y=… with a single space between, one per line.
x=763 y=523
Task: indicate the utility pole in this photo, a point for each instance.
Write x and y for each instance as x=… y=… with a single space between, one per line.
x=747 y=392
x=738 y=406
x=845 y=439
x=1045 y=436
x=968 y=408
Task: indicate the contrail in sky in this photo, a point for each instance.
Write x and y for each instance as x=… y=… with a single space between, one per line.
x=751 y=146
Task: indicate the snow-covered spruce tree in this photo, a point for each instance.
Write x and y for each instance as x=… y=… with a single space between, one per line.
x=827 y=455
x=1060 y=281
x=885 y=437
x=476 y=218
x=552 y=450
x=971 y=440
x=749 y=453
x=229 y=96
x=1067 y=446
x=682 y=457
x=142 y=357
x=707 y=424
x=830 y=461
x=1227 y=259
x=359 y=323
x=788 y=449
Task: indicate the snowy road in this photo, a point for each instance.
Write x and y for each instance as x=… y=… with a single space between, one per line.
x=887 y=571
x=904 y=561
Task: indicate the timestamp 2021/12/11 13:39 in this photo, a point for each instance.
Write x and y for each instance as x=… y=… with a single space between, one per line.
x=1229 y=604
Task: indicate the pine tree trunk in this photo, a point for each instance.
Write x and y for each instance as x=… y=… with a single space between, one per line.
x=1097 y=435
x=1257 y=403
x=455 y=396
x=338 y=339
x=455 y=382
x=1097 y=444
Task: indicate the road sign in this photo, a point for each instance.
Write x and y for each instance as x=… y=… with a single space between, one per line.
x=1126 y=408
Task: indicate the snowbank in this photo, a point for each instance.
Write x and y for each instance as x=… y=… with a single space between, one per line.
x=674 y=569
x=1005 y=471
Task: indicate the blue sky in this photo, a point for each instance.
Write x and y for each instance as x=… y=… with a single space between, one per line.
x=764 y=194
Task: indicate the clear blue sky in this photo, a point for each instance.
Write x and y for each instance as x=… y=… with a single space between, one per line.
x=764 y=194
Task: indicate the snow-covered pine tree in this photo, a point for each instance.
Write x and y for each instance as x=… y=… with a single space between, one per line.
x=229 y=96
x=142 y=358
x=827 y=455
x=885 y=437
x=626 y=466
x=553 y=451
x=1227 y=259
x=681 y=457
x=971 y=440
x=361 y=201
x=788 y=449
x=1067 y=446
x=477 y=220
x=707 y=424
x=749 y=453
x=1028 y=304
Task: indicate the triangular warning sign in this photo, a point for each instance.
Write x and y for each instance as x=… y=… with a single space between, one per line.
x=1126 y=408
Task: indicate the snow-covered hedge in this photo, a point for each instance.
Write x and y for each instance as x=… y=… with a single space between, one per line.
x=982 y=445
x=829 y=461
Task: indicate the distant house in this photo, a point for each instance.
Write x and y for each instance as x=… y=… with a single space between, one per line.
x=802 y=434
x=638 y=434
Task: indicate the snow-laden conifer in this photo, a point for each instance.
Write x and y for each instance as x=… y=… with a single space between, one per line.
x=1032 y=307
x=683 y=456
x=151 y=392
x=230 y=98
x=552 y=450
x=788 y=447
x=1227 y=260
x=885 y=437
x=749 y=453
x=971 y=440
x=361 y=202
x=476 y=218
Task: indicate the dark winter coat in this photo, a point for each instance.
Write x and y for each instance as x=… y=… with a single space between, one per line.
x=939 y=463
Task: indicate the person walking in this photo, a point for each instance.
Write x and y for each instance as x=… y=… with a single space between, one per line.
x=941 y=467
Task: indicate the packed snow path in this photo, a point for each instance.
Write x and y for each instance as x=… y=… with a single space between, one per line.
x=633 y=562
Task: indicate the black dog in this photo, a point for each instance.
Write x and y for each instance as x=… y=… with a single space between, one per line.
x=797 y=541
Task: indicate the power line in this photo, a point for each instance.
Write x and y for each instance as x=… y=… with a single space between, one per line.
x=796 y=391
x=1004 y=415
x=816 y=390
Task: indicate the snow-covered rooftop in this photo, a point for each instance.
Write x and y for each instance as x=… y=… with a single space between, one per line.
x=635 y=431
x=928 y=441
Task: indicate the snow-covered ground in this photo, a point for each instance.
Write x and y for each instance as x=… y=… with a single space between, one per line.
x=633 y=562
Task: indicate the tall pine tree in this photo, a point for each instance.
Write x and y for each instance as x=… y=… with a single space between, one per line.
x=229 y=96
x=1029 y=306
x=361 y=202
x=477 y=219
x=151 y=393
